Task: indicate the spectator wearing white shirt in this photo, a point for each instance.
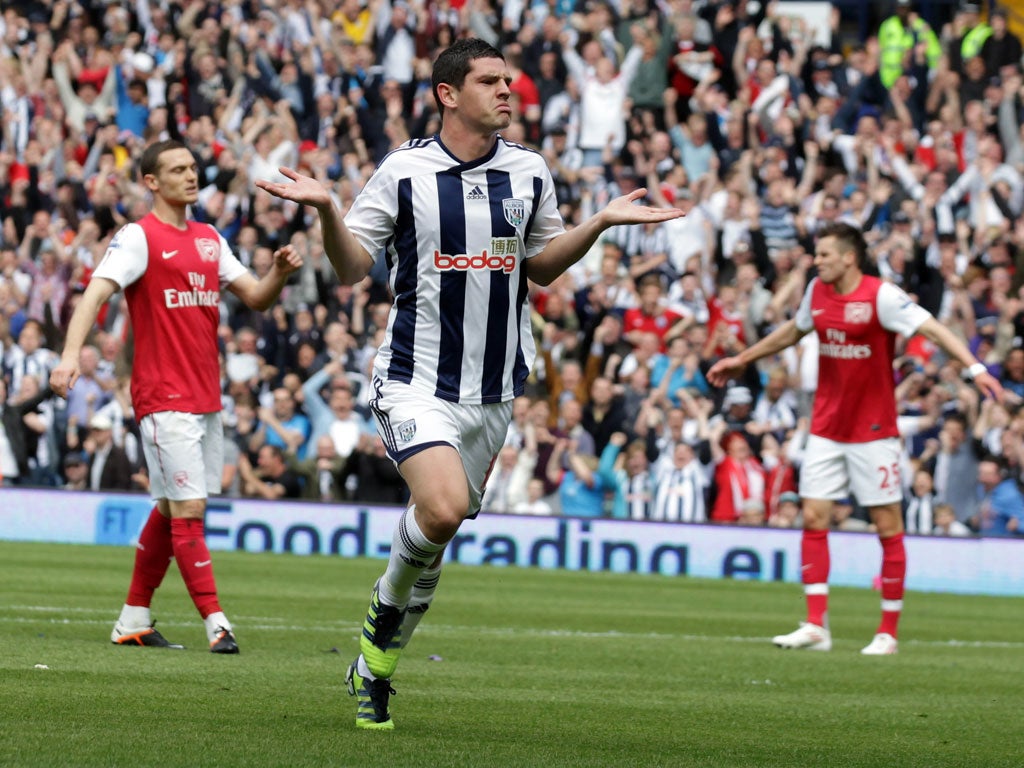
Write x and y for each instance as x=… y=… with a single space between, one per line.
x=396 y=45
x=17 y=280
x=980 y=182
x=243 y=363
x=688 y=237
x=508 y=483
x=603 y=92
x=335 y=416
x=946 y=523
x=273 y=138
x=535 y=503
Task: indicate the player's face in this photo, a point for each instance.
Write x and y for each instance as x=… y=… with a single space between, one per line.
x=831 y=261
x=177 y=177
x=483 y=99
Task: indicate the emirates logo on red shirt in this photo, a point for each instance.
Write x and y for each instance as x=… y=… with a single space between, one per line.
x=858 y=312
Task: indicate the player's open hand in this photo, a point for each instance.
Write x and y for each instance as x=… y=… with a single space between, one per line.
x=302 y=189
x=623 y=210
x=63 y=377
x=989 y=386
x=287 y=259
x=725 y=369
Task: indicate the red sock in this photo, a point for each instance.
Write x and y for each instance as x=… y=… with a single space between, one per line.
x=187 y=535
x=894 y=574
x=815 y=561
x=152 y=559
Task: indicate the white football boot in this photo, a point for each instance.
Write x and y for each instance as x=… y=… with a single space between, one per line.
x=809 y=636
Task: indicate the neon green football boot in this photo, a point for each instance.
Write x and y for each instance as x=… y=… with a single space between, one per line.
x=381 y=642
x=372 y=695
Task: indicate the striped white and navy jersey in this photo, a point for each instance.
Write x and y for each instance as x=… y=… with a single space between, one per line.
x=680 y=495
x=640 y=490
x=455 y=236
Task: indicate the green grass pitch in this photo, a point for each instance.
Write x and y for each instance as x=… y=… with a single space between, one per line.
x=537 y=668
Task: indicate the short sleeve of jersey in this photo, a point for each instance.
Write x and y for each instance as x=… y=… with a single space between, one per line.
x=371 y=219
x=126 y=257
x=548 y=223
x=230 y=268
x=897 y=312
x=804 y=319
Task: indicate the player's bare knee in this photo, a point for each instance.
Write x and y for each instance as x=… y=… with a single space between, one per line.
x=817 y=514
x=439 y=520
x=189 y=508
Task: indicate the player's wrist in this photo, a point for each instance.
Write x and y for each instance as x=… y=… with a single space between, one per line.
x=976 y=370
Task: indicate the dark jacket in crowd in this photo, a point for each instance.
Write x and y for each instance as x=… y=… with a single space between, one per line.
x=17 y=434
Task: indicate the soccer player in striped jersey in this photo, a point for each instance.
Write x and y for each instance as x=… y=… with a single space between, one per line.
x=854 y=445
x=464 y=219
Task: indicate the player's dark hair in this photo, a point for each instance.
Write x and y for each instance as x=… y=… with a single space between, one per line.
x=851 y=238
x=149 y=163
x=455 y=61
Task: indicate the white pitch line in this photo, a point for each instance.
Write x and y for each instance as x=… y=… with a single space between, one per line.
x=271 y=624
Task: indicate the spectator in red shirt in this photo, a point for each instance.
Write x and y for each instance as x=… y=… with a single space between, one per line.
x=524 y=89
x=651 y=316
x=724 y=310
x=739 y=477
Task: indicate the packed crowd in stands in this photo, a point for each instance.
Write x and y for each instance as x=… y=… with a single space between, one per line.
x=759 y=125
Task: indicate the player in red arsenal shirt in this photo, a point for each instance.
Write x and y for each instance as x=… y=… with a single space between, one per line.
x=853 y=445
x=171 y=270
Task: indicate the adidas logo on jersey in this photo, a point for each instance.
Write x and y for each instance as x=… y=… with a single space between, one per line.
x=476 y=194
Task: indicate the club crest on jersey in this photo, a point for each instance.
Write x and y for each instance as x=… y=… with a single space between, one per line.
x=208 y=248
x=514 y=209
x=857 y=312
x=407 y=430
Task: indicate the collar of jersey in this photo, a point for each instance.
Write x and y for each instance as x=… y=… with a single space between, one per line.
x=472 y=163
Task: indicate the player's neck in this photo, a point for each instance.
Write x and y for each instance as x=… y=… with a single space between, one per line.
x=849 y=282
x=175 y=215
x=463 y=142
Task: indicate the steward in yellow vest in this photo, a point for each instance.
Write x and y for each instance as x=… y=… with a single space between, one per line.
x=897 y=35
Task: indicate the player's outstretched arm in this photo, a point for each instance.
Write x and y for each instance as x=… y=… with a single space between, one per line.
x=936 y=332
x=786 y=335
x=568 y=248
x=261 y=294
x=63 y=377
x=350 y=260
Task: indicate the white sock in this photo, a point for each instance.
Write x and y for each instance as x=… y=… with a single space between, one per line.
x=364 y=669
x=216 y=621
x=411 y=554
x=422 y=596
x=135 y=617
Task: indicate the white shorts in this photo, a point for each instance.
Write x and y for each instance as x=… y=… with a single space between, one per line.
x=869 y=471
x=410 y=421
x=184 y=454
